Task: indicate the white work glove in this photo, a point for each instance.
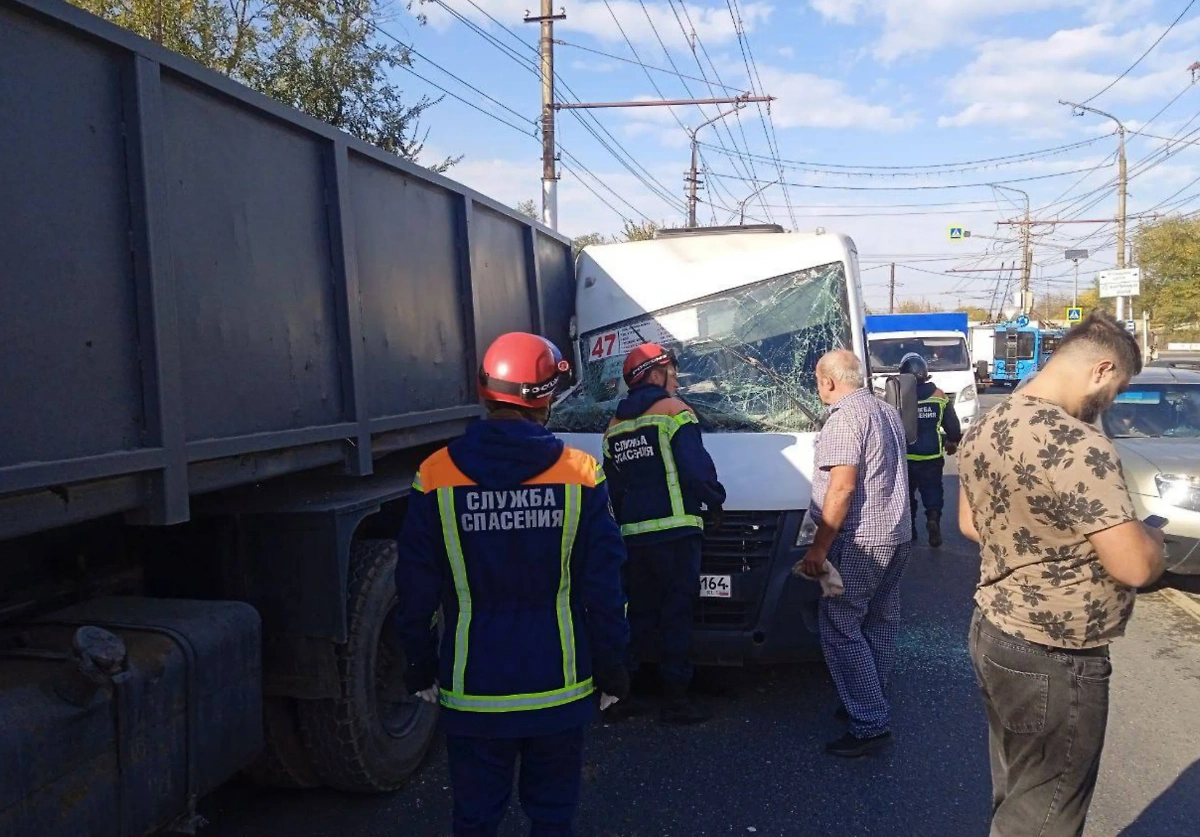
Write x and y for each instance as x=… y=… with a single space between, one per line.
x=830 y=579
x=607 y=701
x=431 y=694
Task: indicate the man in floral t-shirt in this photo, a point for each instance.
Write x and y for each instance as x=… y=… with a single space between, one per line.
x=1062 y=552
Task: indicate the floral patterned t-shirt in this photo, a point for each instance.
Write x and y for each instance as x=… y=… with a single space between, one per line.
x=1039 y=482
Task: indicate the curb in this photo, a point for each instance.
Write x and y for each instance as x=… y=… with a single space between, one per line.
x=1182 y=601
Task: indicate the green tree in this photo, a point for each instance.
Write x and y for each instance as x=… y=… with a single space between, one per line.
x=633 y=231
x=588 y=239
x=1169 y=254
x=324 y=57
x=529 y=209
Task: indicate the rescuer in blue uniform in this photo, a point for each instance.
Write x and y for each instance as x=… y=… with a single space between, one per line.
x=511 y=534
x=659 y=475
x=938 y=433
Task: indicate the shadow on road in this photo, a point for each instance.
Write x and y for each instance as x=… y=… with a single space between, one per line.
x=1173 y=812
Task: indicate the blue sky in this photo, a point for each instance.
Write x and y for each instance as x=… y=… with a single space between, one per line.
x=858 y=83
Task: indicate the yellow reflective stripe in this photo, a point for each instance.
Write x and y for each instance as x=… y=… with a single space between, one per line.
x=600 y=473
x=566 y=622
x=941 y=454
x=662 y=524
x=416 y=483
x=668 y=458
x=458 y=567
x=516 y=703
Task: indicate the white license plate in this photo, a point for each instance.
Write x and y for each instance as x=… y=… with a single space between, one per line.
x=716 y=586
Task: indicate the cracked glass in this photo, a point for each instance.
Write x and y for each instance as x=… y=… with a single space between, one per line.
x=747 y=356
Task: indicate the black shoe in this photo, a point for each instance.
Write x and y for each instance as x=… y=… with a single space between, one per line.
x=851 y=747
x=934 y=527
x=683 y=713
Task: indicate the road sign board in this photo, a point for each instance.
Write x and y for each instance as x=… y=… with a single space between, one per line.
x=1074 y=315
x=1076 y=255
x=1127 y=282
x=1131 y=326
x=958 y=233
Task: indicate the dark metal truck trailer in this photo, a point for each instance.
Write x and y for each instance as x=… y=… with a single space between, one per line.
x=228 y=335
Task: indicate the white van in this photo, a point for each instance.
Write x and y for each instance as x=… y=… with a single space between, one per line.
x=748 y=313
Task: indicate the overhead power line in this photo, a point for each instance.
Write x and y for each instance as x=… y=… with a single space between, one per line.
x=915 y=188
x=625 y=60
x=1141 y=58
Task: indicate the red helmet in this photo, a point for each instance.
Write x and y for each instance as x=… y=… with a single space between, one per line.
x=644 y=358
x=521 y=369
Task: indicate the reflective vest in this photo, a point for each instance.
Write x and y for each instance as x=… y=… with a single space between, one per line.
x=929 y=443
x=529 y=533
x=641 y=449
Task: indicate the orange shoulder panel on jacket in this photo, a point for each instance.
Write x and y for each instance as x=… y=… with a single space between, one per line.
x=439 y=471
x=574 y=467
x=668 y=407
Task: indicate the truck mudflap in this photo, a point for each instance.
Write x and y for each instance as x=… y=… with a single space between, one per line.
x=117 y=714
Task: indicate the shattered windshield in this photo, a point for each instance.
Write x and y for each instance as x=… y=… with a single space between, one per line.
x=942 y=354
x=746 y=356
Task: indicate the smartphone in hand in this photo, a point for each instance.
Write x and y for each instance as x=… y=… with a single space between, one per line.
x=1155 y=521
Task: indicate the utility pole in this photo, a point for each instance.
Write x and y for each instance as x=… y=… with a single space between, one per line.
x=549 y=164
x=1026 y=251
x=1122 y=187
x=892 y=291
x=692 y=177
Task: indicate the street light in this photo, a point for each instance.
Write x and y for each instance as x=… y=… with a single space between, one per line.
x=1122 y=187
x=1075 y=256
x=1026 y=250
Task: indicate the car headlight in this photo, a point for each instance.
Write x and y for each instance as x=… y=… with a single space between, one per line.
x=969 y=394
x=807 y=533
x=1179 y=491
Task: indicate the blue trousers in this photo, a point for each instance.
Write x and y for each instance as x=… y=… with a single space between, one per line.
x=481 y=775
x=662 y=581
x=858 y=630
x=925 y=478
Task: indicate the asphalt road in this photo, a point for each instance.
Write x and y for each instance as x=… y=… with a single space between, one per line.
x=758 y=768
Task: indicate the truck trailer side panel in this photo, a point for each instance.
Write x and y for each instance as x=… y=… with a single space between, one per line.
x=205 y=288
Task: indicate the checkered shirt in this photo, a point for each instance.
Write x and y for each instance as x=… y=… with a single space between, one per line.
x=866 y=432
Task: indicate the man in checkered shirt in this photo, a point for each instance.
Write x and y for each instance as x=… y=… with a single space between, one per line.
x=860 y=506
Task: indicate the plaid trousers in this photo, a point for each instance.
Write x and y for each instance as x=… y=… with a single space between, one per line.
x=859 y=627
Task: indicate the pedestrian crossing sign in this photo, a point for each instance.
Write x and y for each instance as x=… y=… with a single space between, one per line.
x=1074 y=315
x=956 y=233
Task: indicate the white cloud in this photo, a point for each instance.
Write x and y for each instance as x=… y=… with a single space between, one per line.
x=1017 y=82
x=920 y=26
x=805 y=100
x=786 y=52
x=713 y=24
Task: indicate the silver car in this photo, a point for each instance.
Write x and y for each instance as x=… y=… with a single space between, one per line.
x=1155 y=426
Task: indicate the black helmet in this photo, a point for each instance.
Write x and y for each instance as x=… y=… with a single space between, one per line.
x=915 y=365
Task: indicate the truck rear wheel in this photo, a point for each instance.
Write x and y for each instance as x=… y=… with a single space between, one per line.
x=284 y=762
x=373 y=736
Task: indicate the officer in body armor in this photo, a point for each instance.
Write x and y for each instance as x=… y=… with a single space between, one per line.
x=938 y=433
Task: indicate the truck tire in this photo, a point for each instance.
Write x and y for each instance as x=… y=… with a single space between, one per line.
x=373 y=736
x=285 y=761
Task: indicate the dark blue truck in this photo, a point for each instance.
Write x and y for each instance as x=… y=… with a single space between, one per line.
x=228 y=335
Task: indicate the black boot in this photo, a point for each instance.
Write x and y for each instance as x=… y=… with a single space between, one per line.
x=681 y=710
x=934 y=526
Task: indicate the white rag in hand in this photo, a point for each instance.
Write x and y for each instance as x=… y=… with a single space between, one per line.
x=830 y=579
